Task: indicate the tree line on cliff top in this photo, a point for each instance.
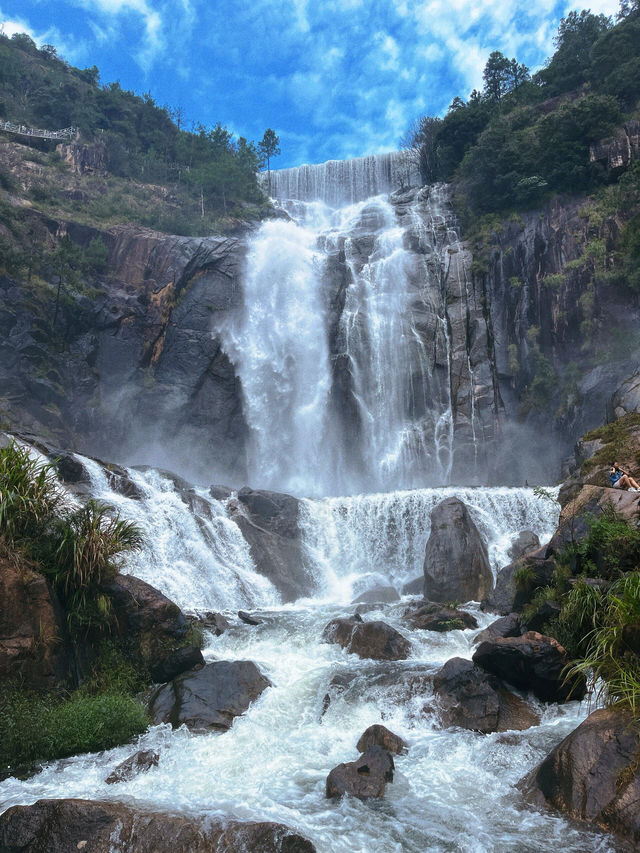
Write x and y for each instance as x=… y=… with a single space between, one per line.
x=142 y=140
x=523 y=137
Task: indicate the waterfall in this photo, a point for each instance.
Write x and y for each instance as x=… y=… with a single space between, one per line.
x=344 y=349
x=356 y=543
x=191 y=550
x=341 y=182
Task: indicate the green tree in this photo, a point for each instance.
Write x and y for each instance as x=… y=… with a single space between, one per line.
x=497 y=76
x=269 y=146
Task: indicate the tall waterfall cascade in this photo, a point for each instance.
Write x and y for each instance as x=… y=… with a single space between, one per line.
x=361 y=347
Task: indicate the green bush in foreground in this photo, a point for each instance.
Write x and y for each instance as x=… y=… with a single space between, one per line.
x=42 y=728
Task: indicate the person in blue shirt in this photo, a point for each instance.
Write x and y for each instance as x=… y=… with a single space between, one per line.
x=619 y=479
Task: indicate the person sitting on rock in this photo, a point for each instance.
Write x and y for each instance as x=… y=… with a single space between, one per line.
x=621 y=480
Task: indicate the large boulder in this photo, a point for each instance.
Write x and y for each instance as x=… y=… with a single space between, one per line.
x=435 y=617
x=626 y=399
x=66 y=826
x=155 y=628
x=471 y=698
x=269 y=523
x=531 y=662
x=375 y=640
x=365 y=778
x=593 y=774
x=209 y=698
x=32 y=646
x=456 y=563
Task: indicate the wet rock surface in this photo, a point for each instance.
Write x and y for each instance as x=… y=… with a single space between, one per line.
x=378 y=735
x=507 y=626
x=209 y=698
x=456 y=563
x=139 y=762
x=471 y=698
x=435 y=617
x=364 y=778
x=66 y=826
x=269 y=523
x=593 y=774
x=531 y=662
x=375 y=640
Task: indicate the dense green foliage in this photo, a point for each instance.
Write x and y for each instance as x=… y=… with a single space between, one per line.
x=41 y=728
x=78 y=549
x=522 y=138
x=597 y=585
x=211 y=174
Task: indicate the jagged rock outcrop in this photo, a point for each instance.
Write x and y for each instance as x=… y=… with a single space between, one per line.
x=61 y=826
x=269 y=523
x=378 y=735
x=620 y=151
x=456 y=563
x=593 y=774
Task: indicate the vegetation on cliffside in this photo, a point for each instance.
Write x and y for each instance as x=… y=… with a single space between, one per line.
x=133 y=160
x=77 y=549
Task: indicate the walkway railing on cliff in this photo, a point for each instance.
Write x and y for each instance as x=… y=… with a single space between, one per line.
x=22 y=130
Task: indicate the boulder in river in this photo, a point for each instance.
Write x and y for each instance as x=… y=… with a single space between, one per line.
x=93 y=826
x=531 y=662
x=375 y=640
x=378 y=595
x=471 y=698
x=593 y=774
x=378 y=735
x=435 y=617
x=209 y=698
x=456 y=562
x=365 y=778
x=139 y=762
x=525 y=542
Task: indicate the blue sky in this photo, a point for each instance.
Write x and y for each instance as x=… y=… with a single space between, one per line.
x=333 y=78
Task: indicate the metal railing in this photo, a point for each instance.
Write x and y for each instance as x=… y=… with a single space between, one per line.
x=22 y=130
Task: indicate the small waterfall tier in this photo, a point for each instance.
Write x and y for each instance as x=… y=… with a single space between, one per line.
x=340 y=182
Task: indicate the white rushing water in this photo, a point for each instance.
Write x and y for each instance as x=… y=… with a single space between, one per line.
x=341 y=182
x=342 y=391
x=453 y=790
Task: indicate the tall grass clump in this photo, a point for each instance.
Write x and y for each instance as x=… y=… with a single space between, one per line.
x=79 y=550
x=612 y=647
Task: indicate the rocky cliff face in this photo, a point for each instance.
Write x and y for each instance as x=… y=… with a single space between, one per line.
x=131 y=359
x=522 y=333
